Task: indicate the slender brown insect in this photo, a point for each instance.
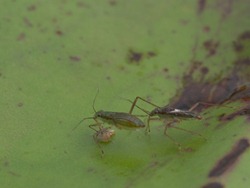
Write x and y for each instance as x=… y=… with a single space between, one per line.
x=168 y=112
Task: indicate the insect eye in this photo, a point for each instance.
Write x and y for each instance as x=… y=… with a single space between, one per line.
x=99 y=115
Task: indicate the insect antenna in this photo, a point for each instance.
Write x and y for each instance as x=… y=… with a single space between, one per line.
x=81 y=122
x=93 y=105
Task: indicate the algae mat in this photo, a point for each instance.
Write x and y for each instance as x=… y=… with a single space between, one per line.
x=55 y=55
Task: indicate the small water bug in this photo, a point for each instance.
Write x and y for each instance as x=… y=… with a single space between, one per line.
x=168 y=112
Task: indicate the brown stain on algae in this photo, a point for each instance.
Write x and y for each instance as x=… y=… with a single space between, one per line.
x=241 y=112
x=233 y=86
x=201 y=6
x=230 y=87
x=135 y=57
x=229 y=159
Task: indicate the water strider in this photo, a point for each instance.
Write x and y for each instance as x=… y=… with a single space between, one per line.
x=168 y=112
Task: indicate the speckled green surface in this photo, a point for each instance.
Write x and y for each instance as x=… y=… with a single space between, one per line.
x=54 y=56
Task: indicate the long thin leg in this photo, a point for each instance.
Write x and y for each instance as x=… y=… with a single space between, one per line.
x=205 y=104
x=134 y=105
x=235 y=92
x=81 y=122
x=173 y=140
x=188 y=131
x=93 y=104
x=94 y=125
x=135 y=101
x=145 y=111
x=148 y=120
x=98 y=144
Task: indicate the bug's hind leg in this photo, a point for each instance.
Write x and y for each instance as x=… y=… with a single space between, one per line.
x=134 y=104
x=172 y=139
x=206 y=104
x=188 y=131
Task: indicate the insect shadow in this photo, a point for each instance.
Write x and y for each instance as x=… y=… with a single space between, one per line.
x=121 y=120
x=176 y=115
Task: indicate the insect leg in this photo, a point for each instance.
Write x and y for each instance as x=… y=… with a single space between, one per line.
x=188 y=131
x=236 y=91
x=173 y=140
x=98 y=144
x=205 y=104
x=148 y=120
x=81 y=122
x=96 y=124
x=135 y=101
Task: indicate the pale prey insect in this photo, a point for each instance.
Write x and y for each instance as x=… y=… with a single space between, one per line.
x=102 y=135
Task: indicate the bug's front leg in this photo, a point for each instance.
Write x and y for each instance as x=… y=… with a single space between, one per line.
x=96 y=124
x=148 y=121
